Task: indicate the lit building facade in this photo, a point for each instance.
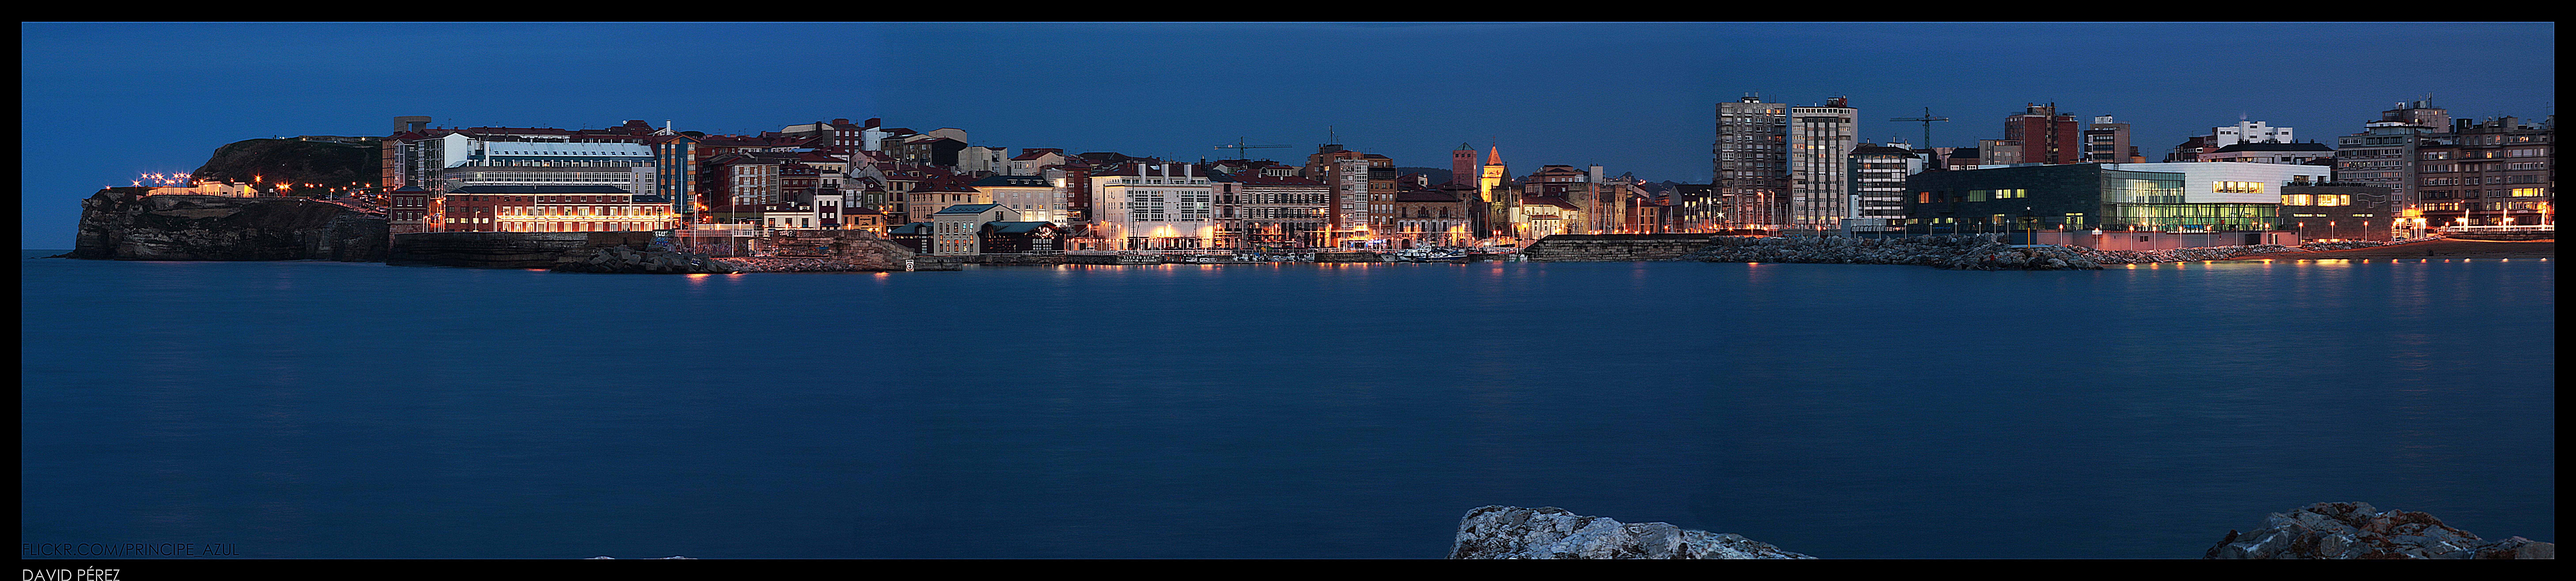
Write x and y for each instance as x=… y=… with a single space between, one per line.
x=1821 y=140
x=1156 y=206
x=1750 y=168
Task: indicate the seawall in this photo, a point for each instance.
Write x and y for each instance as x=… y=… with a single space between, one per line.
x=1614 y=247
x=503 y=249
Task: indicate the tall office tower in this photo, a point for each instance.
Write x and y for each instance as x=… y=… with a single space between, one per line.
x=1749 y=165
x=2045 y=136
x=2108 y=142
x=1820 y=146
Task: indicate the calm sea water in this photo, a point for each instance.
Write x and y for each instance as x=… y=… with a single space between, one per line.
x=311 y=409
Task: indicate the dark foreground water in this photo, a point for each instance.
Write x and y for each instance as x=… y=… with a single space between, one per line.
x=306 y=409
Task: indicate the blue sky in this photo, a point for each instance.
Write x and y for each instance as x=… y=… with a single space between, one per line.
x=103 y=102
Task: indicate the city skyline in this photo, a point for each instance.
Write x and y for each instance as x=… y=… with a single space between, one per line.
x=1412 y=92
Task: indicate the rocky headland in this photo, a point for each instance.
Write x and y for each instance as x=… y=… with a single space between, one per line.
x=2356 y=530
x=1511 y=532
x=125 y=224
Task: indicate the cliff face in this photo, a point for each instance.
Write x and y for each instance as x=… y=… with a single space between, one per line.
x=288 y=161
x=124 y=224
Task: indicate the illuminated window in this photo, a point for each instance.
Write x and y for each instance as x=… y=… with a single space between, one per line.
x=2237 y=187
x=2298 y=200
x=1978 y=195
x=2526 y=192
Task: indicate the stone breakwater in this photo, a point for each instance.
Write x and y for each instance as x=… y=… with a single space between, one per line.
x=791 y=265
x=622 y=260
x=1511 y=532
x=2355 y=530
x=1957 y=252
x=2226 y=252
x=1978 y=252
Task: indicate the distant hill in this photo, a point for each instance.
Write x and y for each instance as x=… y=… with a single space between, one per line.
x=292 y=161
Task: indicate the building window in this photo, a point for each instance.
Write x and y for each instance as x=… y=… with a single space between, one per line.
x=2237 y=187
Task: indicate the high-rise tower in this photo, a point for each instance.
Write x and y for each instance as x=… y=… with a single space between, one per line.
x=1820 y=147
x=1749 y=165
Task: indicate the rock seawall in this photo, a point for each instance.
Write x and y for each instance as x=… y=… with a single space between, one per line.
x=1958 y=252
x=503 y=249
x=124 y=224
x=2356 y=530
x=1511 y=532
x=1613 y=247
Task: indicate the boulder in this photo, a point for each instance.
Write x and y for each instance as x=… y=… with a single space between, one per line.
x=2355 y=530
x=1511 y=532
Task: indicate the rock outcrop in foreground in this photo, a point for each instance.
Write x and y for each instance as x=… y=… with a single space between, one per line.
x=124 y=224
x=2355 y=530
x=1511 y=532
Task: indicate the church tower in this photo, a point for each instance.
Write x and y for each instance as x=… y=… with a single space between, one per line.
x=1494 y=174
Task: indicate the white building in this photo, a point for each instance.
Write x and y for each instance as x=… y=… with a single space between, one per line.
x=957 y=230
x=1157 y=207
x=2235 y=183
x=465 y=160
x=1821 y=140
x=2247 y=132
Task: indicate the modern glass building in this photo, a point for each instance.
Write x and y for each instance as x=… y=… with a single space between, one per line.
x=2071 y=197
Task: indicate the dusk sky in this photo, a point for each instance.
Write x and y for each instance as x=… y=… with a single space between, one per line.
x=101 y=103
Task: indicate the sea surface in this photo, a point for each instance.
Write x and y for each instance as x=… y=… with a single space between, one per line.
x=317 y=409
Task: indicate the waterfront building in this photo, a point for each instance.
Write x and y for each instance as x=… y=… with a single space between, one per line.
x=407 y=210
x=2329 y=212
x=1154 y=206
x=1272 y=212
x=1821 y=140
x=1428 y=217
x=930 y=195
x=2232 y=182
x=958 y=229
x=1750 y=163
x=2496 y=172
x=1595 y=198
x=1035 y=198
x=1697 y=208
x=2384 y=152
x=1021 y=237
x=1878 y=185
x=520 y=208
x=2112 y=197
x=915 y=236
x=1538 y=216
x=1363 y=192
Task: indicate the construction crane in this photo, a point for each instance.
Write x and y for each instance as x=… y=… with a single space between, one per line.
x=1242 y=149
x=1927 y=120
